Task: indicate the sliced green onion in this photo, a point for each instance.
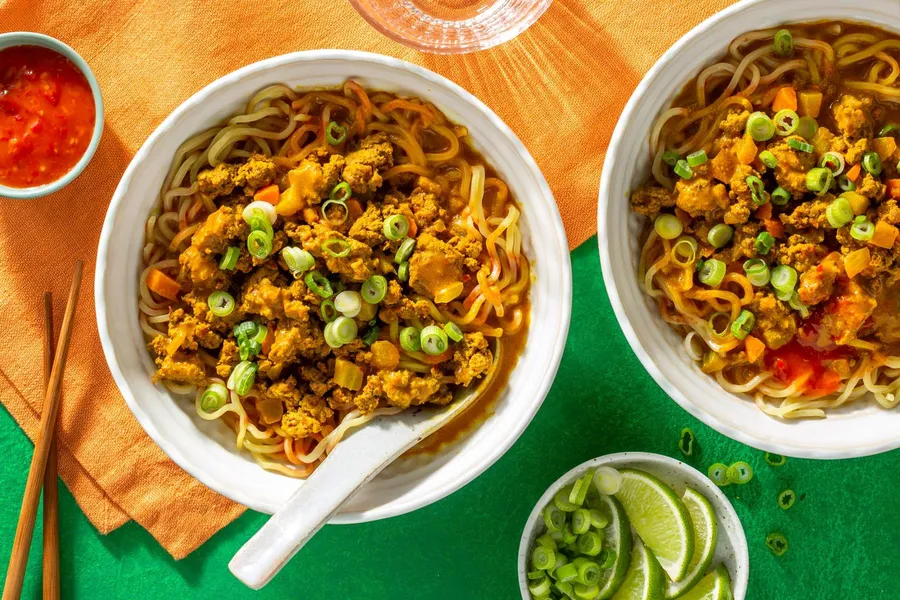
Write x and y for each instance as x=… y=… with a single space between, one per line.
x=348 y=303
x=786 y=499
x=819 y=180
x=374 y=289
x=777 y=543
x=760 y=127
x=569 y=536
x=243 y=377
x=784 y=278
x=608 y=481
x=246 y=330
x=335 y=134
x=719 y=235
x=581 y=520
x=757 y=271
x=259 y=222
x=590 y=543
x=686 y=442
x=328 y=311
x=862 y=229
x=685 y=250
x=834 y=162
x=340 y=203
x=434 y=340
x=561 y=499
x=410 y=339
x=670 y=157
x=889 y=129
x=683 y=169
x=807 y=128
x=540 y=587
x=535 y=575
x=220 y=304
x=214 y=398
x=543 y=558
x=607 y=559
x=554 y=518
x=405 y=251
x=396 y=227
x=712 y=272
x=345 y=329
x=743 y=325
x=757 y=190
x=259 y=244
x=258 y=208
x=453 y=331
x=786 y=122
x=372 y=333
x=697 y=158
x=768 y=159
x=297 y=259
x=871 y=162
x=724 y=318
x=341 y=192
x=547 y=542
x=668 y=226
x=780 y=196
x=783 y=42
x=261 y=332
x=336 y=247
x=764 y=242
x=740 y=473
x=249 y=348
x=598 y=519
x=580 y=489
x=845 y=184
x=718 y=474
x=318 y=284
x=775 y=460
x=567 y=573
x=799 y=145
x=839 y=212
x=586 y=592
x=795 y=303
x=588 y=571
x=230 y=258
x=403 y=271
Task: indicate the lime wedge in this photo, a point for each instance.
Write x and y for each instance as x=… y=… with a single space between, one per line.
x=617 y=539
x=645 y=579
x=715 y=586
x=706 y=534
x=661 y=520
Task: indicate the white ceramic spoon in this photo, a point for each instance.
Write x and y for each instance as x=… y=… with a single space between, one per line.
x=353 y=463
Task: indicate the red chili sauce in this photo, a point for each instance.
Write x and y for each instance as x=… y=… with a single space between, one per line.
x=46 y=116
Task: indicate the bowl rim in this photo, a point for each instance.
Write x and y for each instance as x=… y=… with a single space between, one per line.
x=784 y=447
x=563 y=297
x=28 y=38
x=691 y=477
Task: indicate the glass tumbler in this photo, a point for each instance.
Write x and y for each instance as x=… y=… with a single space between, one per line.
x=451 y=26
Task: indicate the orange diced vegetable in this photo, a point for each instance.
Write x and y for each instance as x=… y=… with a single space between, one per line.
x=723 y=165
x=884 y=146
x=268 y=194
x=385 y=355
x=413 y=228
x=809 y=104
x=858 y=202
x=176 y=342
x=856 y=262
x=289 y=202
x=764 y=211
x=746 y=150
x=853 y=173
x=428 y=359
x=774 y=227
x=354 y=209
x=162 y=284
x=347 y=374
x=785 y=99
x=755 y=348
x=885 y=235
x=270 y=410
x=893 y=186
x=269 y=339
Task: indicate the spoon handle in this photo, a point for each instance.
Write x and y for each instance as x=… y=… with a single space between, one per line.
x=352 y=463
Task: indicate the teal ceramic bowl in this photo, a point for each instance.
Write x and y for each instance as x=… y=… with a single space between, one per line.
x=24 y=38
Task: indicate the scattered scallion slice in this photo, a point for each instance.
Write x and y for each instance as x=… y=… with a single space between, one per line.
x=743 y=325
x=683 y=169
x=768 y=159
x=800 y=145
x=670 y=157
x=780 y=196
x=608 y=480
x=335 y=133
x=697 y=158
x=230 y=258
x=668 y=226
x=453 y=331
x=783 y=42
x=718 y=474
x=740 y=473
x=719 y=235
x=764 y=242
x=213 y=398
x=786 y=122
x=410 y=339
x=434 y=340
x=760 y=127
x=871 y=162
x=374 y=289
x=757 y=271
x=712 y=272
x=220 y=303
x=396 y=227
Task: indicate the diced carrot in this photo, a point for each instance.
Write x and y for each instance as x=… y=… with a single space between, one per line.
x=269 y=339
x=354 y=209
x=853 y=173
x=893 y=186
x=809 y=104
x=746 y=150
x=268 y=194
x=413 y=228
x=885 y=235
x=755 y=348
x=774 y=227
x=428 y=359
x=162 y=284
x=884 y=147
x=723 y=165
x=785 y=99
x=764 y=211
x=856 y=262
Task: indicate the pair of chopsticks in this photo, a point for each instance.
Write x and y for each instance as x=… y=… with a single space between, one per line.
x=43 y=463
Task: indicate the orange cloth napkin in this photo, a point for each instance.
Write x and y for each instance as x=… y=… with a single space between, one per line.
x=560 y=86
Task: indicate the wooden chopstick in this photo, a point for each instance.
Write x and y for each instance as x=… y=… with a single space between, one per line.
x=51 y=491
x=25 y=528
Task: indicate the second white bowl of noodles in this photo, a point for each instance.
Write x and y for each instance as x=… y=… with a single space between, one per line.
x=858 y=429
x=206 y=449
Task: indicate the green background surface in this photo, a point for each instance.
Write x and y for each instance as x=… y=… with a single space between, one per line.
x=843 y=535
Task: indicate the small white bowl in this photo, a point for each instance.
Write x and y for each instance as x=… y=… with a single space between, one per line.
x=26 y=38
x=861 y=428
x=206 y=449
x=731 y=550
